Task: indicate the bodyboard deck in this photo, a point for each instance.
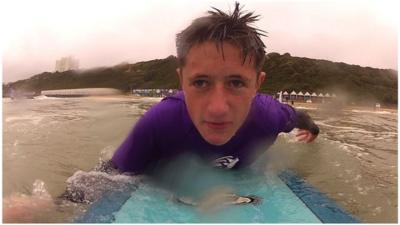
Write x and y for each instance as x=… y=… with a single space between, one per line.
x=285 y=199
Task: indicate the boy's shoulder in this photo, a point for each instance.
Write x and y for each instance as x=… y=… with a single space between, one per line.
x=170 y=114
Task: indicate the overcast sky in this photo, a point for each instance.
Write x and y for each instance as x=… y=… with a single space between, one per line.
x=104 y=33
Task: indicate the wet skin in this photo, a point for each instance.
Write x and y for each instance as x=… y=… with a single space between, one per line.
x=218 y=90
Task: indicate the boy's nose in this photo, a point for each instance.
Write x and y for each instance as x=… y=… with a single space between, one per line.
x=218 y=103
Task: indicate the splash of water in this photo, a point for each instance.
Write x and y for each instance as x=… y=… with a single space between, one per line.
x=87 y=187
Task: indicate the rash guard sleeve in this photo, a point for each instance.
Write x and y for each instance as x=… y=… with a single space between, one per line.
x=139 y=148
x=274 y=116
x=287 y=117
x=305 y=122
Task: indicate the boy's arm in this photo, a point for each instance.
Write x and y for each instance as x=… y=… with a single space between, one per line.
x=138 y=150
x=290 y=118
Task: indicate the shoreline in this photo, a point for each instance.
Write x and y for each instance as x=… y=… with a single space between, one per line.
x=300 y=105
x=321 y=106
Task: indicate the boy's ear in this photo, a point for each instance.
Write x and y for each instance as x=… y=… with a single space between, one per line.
x=179 y=74
x=261 y=79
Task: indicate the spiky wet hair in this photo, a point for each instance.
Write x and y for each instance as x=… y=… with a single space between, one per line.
x=218 y=27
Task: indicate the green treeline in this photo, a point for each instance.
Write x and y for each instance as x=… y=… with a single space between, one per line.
x=284 y=72
x=358 y=84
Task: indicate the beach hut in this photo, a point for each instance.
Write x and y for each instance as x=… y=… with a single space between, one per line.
x=314 y=96
x=285 y=96
x=328 y=97
x=300 y=96
x=293 y=95
x=307 y=96
x=321 y=97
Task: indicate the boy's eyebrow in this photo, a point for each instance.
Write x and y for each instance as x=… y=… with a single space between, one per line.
x=231 y=76
x=200 y=75
x=238 y=76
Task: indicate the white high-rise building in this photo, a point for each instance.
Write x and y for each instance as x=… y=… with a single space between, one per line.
x=67 y=63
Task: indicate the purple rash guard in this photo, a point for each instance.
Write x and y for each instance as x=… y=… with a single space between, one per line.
x=166 y=131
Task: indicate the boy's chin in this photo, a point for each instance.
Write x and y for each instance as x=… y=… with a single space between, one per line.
x=217 y=140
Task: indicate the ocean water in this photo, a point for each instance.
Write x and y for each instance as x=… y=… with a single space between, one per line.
x=52 y=143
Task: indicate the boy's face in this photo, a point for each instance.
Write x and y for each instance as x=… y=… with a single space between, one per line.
x=218 y=92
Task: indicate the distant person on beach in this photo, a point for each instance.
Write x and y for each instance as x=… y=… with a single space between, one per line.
x=218 y=115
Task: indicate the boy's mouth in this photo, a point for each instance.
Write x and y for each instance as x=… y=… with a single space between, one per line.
x=218 y=125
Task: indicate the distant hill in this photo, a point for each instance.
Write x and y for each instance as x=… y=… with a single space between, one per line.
x=284 y=72
x=359 y=84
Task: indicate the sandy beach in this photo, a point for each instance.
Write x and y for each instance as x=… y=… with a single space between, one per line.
x=322 y=106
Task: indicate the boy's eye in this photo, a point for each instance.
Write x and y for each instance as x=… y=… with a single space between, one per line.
x=200 y=83
x=236 y=83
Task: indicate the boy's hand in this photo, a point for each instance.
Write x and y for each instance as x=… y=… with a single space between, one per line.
x=305 y=135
